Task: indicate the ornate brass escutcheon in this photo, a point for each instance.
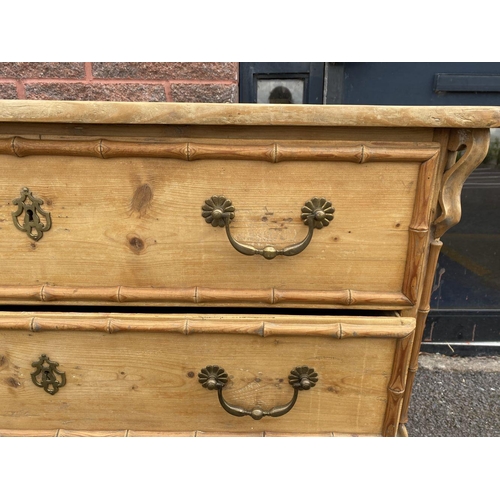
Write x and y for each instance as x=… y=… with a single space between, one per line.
x=301 y=378
x=45 y=375
x=316 y=213
x=31 y=223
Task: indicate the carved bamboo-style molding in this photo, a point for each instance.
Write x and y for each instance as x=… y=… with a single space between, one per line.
x=476 y=143
x=417 y=243
x=418 y=232
x=423 y=311
x=423 y=197
x=200 y=295
x=397 y=385
x=189 y=151
x=141 y=433
x=379 y=327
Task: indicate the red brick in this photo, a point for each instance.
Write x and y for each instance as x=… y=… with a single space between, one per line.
x=199 y=92
x=82 y=92
x=23 y=70
x=8 y=91
x=167 y=71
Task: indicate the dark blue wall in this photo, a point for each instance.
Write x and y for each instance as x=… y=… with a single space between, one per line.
x=414 y=84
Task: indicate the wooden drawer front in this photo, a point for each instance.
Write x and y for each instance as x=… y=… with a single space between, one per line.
x=130 y=229
x=138 y=373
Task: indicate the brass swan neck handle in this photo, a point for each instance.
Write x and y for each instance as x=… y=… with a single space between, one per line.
x=301 y=378
x=316 y=213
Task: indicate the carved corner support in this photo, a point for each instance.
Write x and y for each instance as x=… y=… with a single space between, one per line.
x=476 y=143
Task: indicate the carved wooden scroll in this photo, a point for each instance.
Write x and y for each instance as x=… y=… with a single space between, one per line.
x=476 y=142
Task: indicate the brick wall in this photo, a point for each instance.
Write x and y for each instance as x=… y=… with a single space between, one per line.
x=155 y=82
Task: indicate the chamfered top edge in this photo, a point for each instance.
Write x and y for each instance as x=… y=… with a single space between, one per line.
x=338 y=115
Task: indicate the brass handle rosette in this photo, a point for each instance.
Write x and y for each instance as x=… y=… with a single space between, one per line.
x=301 y=378
x=316 y=213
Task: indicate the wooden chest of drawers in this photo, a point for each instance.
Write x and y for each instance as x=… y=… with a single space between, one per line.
x=183 y=265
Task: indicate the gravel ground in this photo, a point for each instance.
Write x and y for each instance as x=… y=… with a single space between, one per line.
x=455 y=397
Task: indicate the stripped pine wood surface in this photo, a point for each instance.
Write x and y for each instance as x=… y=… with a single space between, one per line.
x=161 y=434
x=124 y=184
x=141 y=219
x=140 y=371
x=250 y=114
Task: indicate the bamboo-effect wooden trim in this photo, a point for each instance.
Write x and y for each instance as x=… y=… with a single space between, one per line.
x=423 y=196
x=164 y=434
x=200 y=296
x=29 y=432
x=417 y=243
x=263 y=326
x=190 y=151
x=248 y=114
x=85 y=433
x=402 y=430
x=418 y=232
x=476 y=143
x=435 y=248
x=397 y=386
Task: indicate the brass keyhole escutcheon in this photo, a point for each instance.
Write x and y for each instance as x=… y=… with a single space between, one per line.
x=46 y=375
x=31 y=222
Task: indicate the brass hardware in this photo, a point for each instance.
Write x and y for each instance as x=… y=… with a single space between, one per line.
x=316 y=213
x=301 y=378
x=32 y=212
x=48 y=375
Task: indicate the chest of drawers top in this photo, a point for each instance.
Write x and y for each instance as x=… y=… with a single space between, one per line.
x=211 y=204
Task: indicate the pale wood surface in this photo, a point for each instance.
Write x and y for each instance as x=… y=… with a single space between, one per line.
x=249 y=114
x=161 y=434
x=28 y=433
x=125 y=182
x=148 y=380
x=84 y=433
x=99 y=224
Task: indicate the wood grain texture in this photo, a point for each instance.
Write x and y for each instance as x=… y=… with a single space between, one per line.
x=125 y=182
x=147 y=380
x=249 y=114
x=140 y=219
